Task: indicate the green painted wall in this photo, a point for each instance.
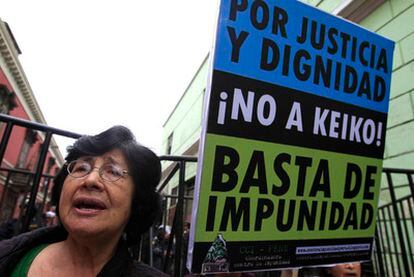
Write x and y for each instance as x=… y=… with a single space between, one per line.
x=184 y=123
x=394 y=19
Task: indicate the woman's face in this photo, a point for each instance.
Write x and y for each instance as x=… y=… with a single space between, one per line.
x=91 y=206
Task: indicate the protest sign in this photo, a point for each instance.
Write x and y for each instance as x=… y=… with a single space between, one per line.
x=293 y=138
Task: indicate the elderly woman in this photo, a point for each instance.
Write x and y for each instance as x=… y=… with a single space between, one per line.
x=105 y=194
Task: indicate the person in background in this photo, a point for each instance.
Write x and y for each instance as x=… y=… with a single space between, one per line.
x=159 y=247
x=347 y=269
x=186 y=237
x=105 y=197
x=187 y=226
x=339 y=270
x=50 y=216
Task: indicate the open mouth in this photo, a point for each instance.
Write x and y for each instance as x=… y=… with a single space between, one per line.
x=89 y=204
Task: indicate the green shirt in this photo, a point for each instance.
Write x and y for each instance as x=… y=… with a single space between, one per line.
x=22 y=268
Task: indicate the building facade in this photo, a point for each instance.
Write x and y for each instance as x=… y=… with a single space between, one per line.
x=22 y=152
x=390 y=18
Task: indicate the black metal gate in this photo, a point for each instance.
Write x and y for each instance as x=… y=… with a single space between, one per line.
x=393 y=255
x=177 y=240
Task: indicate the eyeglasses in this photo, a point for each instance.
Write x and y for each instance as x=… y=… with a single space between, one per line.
x=108 y=172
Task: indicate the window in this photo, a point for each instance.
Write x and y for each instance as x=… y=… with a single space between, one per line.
x=7 y=100
x=29 y=139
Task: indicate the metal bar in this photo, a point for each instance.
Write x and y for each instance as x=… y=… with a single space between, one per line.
x=178 y=158
x=16 y=170
x=23 y=171
x=398 y=223
x=380 y=265
x=406 y=238
x=164 y=219
x=180 y=214
x=410 y=210
x=5 y=139
x=395 y=187
x=388 y=244
x=164 y=222
x=383 y=242
x=37 y=126
x=141 y=246
x=47 y=181
x=176 y=196
x=388 y=170
x=36 y=181
x=405 y=198
x=5 y=189
x=395 y=252
x=374 y=261
x=410 y=241
x=169 y=177
x=170 y=242
x=410 y=183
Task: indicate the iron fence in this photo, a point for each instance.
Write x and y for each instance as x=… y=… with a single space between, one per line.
x=176 y=238
x=394 y=237
x=33 y=178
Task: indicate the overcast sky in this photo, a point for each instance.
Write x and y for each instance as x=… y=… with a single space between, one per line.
x=96 y=63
